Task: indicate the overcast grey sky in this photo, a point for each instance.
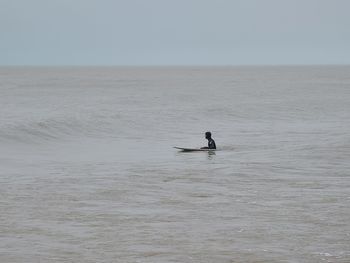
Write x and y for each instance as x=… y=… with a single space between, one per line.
x=168 y=32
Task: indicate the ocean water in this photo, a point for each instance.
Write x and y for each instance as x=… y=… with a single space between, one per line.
x=88 y=172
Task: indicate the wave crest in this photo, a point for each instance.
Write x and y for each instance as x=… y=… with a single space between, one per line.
x=53 y=129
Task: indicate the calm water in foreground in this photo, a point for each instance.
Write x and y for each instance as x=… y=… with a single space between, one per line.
x=88 y=172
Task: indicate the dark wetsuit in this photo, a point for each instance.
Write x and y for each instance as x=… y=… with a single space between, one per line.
x=211 y=144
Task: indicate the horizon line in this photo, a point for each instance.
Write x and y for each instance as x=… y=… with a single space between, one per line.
x=174 y=65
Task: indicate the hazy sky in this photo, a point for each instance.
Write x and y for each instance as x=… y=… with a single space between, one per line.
x=167 y=32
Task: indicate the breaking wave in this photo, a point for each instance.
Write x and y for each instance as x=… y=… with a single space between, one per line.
x=55 y=129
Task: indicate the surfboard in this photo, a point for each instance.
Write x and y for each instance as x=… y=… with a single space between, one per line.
x=194 y=149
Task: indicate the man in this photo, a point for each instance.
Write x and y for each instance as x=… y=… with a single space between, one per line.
x=211 y=142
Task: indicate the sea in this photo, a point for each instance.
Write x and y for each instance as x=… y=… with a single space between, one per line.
x=88 y=172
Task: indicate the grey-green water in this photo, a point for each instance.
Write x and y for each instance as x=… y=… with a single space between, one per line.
x=88 y=172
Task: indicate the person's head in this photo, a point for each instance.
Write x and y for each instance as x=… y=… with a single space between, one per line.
x=208 y=135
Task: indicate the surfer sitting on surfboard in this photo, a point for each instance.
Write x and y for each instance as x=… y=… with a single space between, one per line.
x=211 y=142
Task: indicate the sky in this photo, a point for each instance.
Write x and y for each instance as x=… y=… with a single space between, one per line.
x=174 y=32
